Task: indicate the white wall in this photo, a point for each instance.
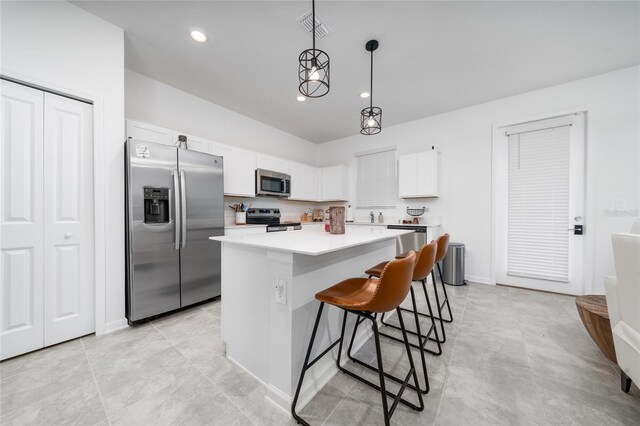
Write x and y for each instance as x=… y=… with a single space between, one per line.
x=153 y=102
x=60 y=46
x=464 y=138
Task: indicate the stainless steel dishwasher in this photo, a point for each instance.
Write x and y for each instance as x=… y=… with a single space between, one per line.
x=413 y=241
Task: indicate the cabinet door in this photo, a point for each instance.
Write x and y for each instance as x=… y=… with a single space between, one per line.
x=272 y=163
x=312 y=183
x=298 y=181
x=21 y=247
x=150 y=133
x=335 y=183
x=239 y=170
x=68 y=220
x=427 y=174
x=245 y=173
x=407 y=173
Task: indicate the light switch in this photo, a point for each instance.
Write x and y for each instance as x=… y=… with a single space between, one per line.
x=281 y=291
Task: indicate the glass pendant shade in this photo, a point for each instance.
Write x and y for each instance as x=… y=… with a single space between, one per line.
x=313 y=73
x=371 y=121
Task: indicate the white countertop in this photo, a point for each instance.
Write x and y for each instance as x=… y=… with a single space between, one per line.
x=348 y=223
x=313 y=241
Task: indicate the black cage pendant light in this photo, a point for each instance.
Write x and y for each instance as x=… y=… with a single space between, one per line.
x=313 y=70
x=371 y=117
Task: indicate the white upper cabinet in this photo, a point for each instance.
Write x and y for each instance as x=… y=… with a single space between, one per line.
x=271 y=163
x=308 y=183
x=239 y=170
x=305 y=182
x=195 y=143
x=150 y=133
x=335 y=183
x=418 y=175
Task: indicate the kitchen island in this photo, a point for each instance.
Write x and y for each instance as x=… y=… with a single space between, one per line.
x=269 y=281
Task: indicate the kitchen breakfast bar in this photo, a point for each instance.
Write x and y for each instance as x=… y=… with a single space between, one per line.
x=268 y=308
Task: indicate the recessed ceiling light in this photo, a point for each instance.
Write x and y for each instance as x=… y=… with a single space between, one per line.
x=365 y=95
x=301 y=98
x=198 y=36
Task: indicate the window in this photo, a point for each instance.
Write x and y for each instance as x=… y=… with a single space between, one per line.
x=376 y=183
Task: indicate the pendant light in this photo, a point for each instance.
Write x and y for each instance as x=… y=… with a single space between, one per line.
x=313 y=69
x=371 y=117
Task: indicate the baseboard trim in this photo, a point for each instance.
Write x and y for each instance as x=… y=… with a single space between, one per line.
x=479 y=280
x=315 y=379
x=112 y=326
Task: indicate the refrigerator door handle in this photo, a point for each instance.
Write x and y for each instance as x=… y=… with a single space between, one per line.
x=183 y=196
x=176 y=202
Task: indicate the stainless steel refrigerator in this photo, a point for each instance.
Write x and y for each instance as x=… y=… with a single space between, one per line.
x=174 y=203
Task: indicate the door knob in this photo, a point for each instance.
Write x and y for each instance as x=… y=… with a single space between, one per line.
x=68 y=235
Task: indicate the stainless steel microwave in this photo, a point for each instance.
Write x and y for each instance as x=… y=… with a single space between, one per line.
x=272 y=184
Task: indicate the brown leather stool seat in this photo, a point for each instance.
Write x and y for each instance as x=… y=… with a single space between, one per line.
x=366 y=298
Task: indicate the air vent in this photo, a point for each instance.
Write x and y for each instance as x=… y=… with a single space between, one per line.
x=321 y=28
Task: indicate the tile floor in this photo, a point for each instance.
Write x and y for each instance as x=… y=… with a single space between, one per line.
x=512 y=357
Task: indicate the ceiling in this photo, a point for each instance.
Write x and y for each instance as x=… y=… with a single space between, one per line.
x=433 y=57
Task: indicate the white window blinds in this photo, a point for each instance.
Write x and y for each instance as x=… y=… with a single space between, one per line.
x=376 y=184
x=538 y=206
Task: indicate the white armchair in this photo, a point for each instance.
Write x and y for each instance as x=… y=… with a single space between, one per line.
x=623 y=302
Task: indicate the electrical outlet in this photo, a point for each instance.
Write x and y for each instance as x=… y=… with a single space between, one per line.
x=281 y=291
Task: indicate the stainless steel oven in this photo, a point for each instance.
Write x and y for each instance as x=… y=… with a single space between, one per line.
x=274 y=184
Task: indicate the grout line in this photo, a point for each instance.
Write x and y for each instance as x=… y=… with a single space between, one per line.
x=526 y=350
x=223 y=393
x=453 y=352
x=104 y=407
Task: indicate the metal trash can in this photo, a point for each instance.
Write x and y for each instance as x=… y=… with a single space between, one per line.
x=453 y=265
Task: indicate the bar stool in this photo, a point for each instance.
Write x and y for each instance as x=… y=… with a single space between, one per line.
x=365 y=297
x=443 y=246
x=424 y=266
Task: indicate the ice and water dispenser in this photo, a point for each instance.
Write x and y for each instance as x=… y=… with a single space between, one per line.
x=156 y=205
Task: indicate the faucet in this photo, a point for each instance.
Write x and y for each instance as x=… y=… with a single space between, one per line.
x=372 y=216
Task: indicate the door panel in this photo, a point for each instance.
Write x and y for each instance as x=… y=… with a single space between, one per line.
x=540 y=170
x=153 y=270
x=69 y=308
x=202 y=180
x=21 y=294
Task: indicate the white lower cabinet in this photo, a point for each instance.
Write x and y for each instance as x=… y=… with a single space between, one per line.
x=47 y=246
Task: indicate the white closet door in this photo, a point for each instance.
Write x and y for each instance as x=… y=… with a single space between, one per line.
x=68 y=219
x=21 y=293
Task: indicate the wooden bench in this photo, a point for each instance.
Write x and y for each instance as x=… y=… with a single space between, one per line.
x=595 y=317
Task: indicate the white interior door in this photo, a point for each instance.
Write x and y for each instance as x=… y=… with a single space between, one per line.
x=21 y=294
x=68 y=219
x=540 y=202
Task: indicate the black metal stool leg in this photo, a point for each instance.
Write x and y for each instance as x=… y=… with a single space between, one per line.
x=387 y=375
x=427 y=336
x=446 y=298
x=438 y=307
x=404 y=383
x=422 y=339
x=305 y=367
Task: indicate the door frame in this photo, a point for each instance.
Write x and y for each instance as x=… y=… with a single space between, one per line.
x=99 y=193
x=498 y=137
